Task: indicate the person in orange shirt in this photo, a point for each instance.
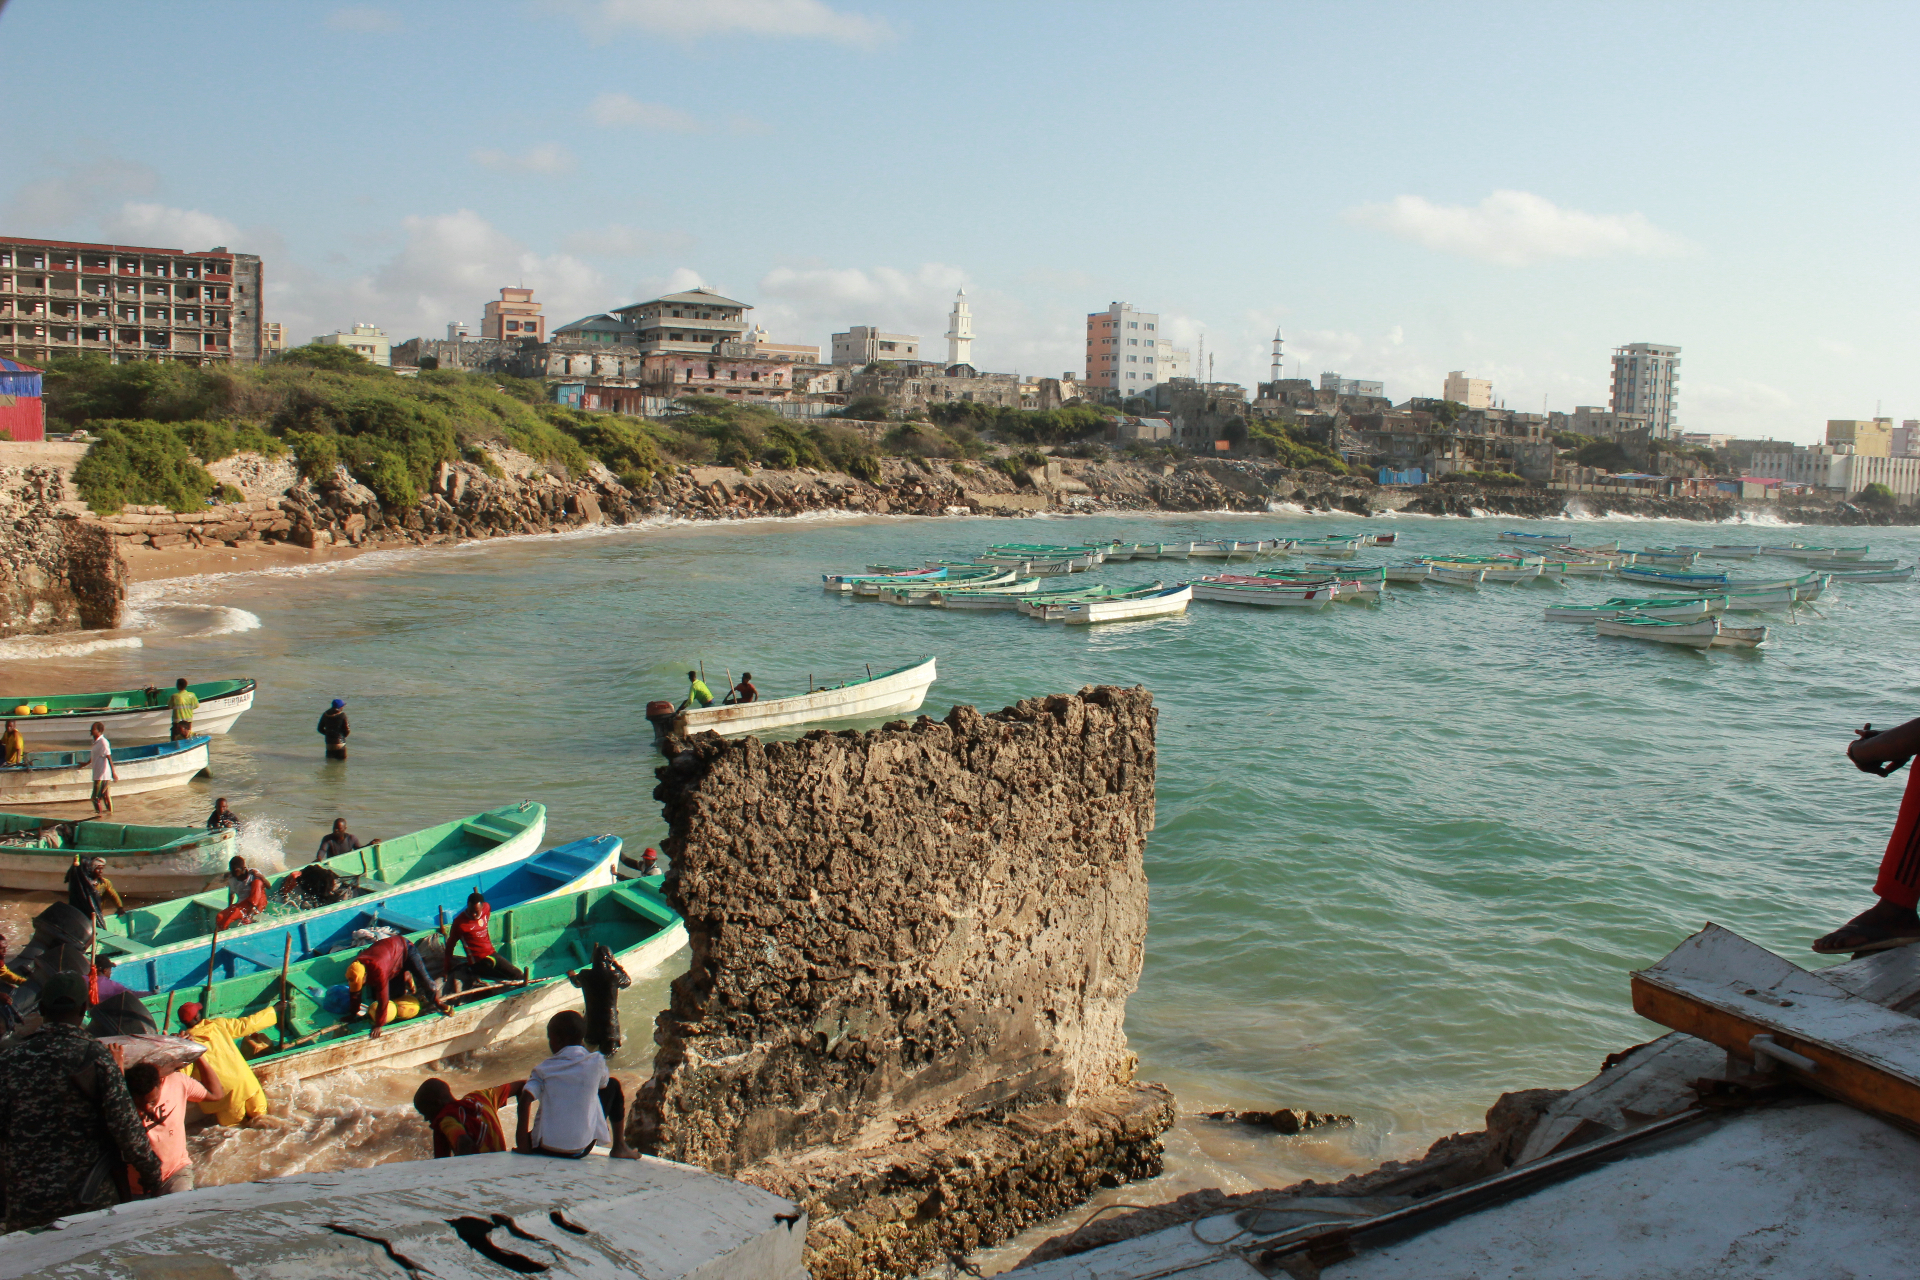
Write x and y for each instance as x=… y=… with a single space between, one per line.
x=466 y=1126
x=249 y=890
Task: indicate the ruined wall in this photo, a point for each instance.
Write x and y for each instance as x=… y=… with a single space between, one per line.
x=57 y=573
x=893 y=930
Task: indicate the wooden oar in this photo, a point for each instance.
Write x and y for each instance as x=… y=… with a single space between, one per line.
x=286 y=1000
x=166 y=1019
x=213 y=953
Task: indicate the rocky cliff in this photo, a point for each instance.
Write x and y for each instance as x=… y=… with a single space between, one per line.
x=57 y=572
x=911 y=954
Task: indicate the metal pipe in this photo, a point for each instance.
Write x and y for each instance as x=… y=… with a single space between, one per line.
x=1763 y=1047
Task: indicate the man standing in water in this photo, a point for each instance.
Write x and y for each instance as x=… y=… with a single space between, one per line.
x=103 y=774
x=184 y=704
x=1892 y=921
x=66 y=1118
x=333 y=727
x=601 y=984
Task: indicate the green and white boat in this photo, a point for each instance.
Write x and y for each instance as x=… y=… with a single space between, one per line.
x=545 y=938
x=36 y=852
x=130 y=715
x=454 y=850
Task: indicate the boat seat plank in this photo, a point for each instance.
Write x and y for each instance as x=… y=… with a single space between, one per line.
x=561 y=868
x=253 y=955
x=487 y=831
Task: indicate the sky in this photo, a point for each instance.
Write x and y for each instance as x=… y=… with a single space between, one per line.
x=1402 y=189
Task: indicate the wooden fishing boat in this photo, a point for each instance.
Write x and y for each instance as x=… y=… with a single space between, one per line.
x=1169 y=551
x=975 y=576
x=1040 y=568
x=996 y=597
x=1672 y=610
x=1693 y=635
x=568 y=868
x=1872 y=575
x=902 y=689
x=1468 y=576
x=1366 y=588
x=35 y=853
x=1577 y=568
x=545 y=938
x=130 y=715
x=1497 y=571
x=1763 y=584
x=1740 y=637
x=457 y=853
x=1339 y=547
x=1800 y=551
x=61 y=777
x=1608 y=548
x=916 y=593
x=1375 y=573
x=1273 y=596
x=1850 y=566
x=845 y=582
x=1035 y=605
x=1407 y=573
x=1382 y=539
x=1127 y=607
x=1554 y=540
x=1674 y=577
x=1722 y=551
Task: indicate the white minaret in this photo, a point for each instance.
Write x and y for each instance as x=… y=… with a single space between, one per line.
x=1276 y=357
x=960 y=332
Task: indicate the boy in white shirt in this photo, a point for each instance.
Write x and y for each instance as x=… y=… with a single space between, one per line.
x=103 y=774
x=576 y=1103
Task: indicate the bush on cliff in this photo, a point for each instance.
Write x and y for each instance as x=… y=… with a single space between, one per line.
x=1289 y=446
x=147 y=463
x=1023 y=426
x=1876 y=495
x=1605 y=454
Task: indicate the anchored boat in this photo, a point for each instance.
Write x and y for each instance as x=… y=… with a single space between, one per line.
x=1272 y=595
x=36 y=852
x=61 y=777
x=902 y=689
x=1125 y=608
x=454 y=852
x=1693 y=635
x=129 y=714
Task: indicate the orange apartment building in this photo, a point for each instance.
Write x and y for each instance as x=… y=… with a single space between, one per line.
x=514 y=317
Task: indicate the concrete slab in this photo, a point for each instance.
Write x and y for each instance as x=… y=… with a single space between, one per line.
x=475 y=1216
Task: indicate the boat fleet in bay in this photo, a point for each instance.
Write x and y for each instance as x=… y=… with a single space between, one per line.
x=552 y=904
x=1311 y=574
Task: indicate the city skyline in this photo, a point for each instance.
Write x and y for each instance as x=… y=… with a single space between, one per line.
x=1415 y=209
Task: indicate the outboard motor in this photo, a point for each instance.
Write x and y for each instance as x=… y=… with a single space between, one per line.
x=121 y=1014
x=661 y=716
x=62 y=940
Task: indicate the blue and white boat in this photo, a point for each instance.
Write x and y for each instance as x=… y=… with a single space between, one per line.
x=1536 y=539
x=1673 y=577
x=62 y=777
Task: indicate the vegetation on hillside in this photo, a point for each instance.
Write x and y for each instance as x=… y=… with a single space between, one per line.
x=1289 y=446
x=1877 y=495
x=1023 y=426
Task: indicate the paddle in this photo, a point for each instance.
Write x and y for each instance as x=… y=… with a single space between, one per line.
x=286 y=999
x=213 y=954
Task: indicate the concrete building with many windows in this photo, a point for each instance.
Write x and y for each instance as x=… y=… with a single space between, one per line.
x=1475 y=393
x=1837 y=468
x=514 y=317
x=126 y=302
x=368 y=340
x=1352 y=386
x=1126 y=355
x=1646 y=380
x=1906 y=439
x=863 y=344
x=1870 y=437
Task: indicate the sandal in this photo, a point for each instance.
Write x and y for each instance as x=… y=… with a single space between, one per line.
x=1871 y=930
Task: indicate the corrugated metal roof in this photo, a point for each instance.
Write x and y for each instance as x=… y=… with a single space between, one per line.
x=14 y=366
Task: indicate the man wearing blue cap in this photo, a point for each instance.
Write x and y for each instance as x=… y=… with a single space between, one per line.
x=67 y=1122
x=333 y=727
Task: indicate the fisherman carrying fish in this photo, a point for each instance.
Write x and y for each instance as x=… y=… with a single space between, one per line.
x=375 y=976
x=161 y=1097
x=249 y=893
x=579 y=1103
x=240 y=1099
x=183 y=705
x=469 y=930
x=1892 y=921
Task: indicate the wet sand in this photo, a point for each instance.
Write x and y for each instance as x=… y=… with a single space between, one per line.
x=151 y=564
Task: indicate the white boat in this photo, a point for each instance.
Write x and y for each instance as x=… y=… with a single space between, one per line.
x=1468 y=576
x=1511 y=573
x=1164 y=550
x=1694 y=635
x=1050 y=606
x=1382 y=539
x=1169 y=600
x=1672 y=611
x=1872 y=575
x=1555 y=540
x=917 y=594
x=1721 y=551
x=844 y=583
x=1799 y=551
x=1276 y=597
x=902 y=689
x=130 y=715
x=1414 y=573
x=1582 y=568
x=478 y=1217
x=63 y=777
x=37 y=852
x=1007 y=597
x=1740 y=637
x=1850 y=566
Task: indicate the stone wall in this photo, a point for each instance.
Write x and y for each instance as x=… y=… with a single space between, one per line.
x=57 y=572
x=900 y=934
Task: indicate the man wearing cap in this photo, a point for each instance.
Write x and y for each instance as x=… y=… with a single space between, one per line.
x=333 y=727
x=243 y=1098
x=66 y=1120
x=378 y=968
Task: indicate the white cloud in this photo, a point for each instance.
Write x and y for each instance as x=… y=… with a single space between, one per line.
x=363 y=18
x=548 y=157
x=76 y=190
x=620 y=111
x=447 y=267
x=1516 y=229
x=782 y=19
x=143 y=223
x=617 y=241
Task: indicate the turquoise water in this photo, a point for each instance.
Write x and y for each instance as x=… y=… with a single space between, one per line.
x=1405 y=857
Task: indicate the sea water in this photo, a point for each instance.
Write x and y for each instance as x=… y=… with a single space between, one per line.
x=1405 y=855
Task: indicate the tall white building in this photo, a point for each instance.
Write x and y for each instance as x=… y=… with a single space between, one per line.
x=1127 y=355
x=1475 y=393
x=960 y=332
x=1646 y=380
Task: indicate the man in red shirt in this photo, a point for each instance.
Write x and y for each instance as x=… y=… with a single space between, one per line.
x=382 y=964
x=249 y=890
x=1892 y=921
x=469 y=930
x=466 y=1126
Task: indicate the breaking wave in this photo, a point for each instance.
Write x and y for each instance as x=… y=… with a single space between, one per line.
x=28 y=648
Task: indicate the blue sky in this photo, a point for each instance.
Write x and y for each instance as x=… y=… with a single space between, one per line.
x=1404 y=189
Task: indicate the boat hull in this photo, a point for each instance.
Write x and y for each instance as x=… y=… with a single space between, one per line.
x=893 y=691
x=184 y=866
x=1155 y=606
x=136 y=724
x=69 y=783
x=1310 y=598
x=1691 y=635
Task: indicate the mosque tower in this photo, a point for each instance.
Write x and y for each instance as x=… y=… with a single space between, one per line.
x=960 y=332
x=1276 y=360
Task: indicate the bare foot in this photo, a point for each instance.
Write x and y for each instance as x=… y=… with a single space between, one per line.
x=621 y=1151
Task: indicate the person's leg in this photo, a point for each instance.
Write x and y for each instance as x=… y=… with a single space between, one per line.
x=106 y=794
x=417 y=966
x=181 y=1181
x=1893 y=921
x=613 y=1101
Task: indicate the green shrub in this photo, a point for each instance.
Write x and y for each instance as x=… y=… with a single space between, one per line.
x=1023 y=426
x=1289 y=446
x=143 y=463
x=1605 y=454
x=1877 y=494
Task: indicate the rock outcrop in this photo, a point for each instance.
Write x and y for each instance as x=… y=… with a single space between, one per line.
x=911 y=954
x=57 y=572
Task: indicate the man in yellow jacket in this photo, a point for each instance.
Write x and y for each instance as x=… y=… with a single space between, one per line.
x=244 y=1098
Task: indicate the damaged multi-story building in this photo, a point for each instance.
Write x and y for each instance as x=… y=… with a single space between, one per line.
x=127 y=302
